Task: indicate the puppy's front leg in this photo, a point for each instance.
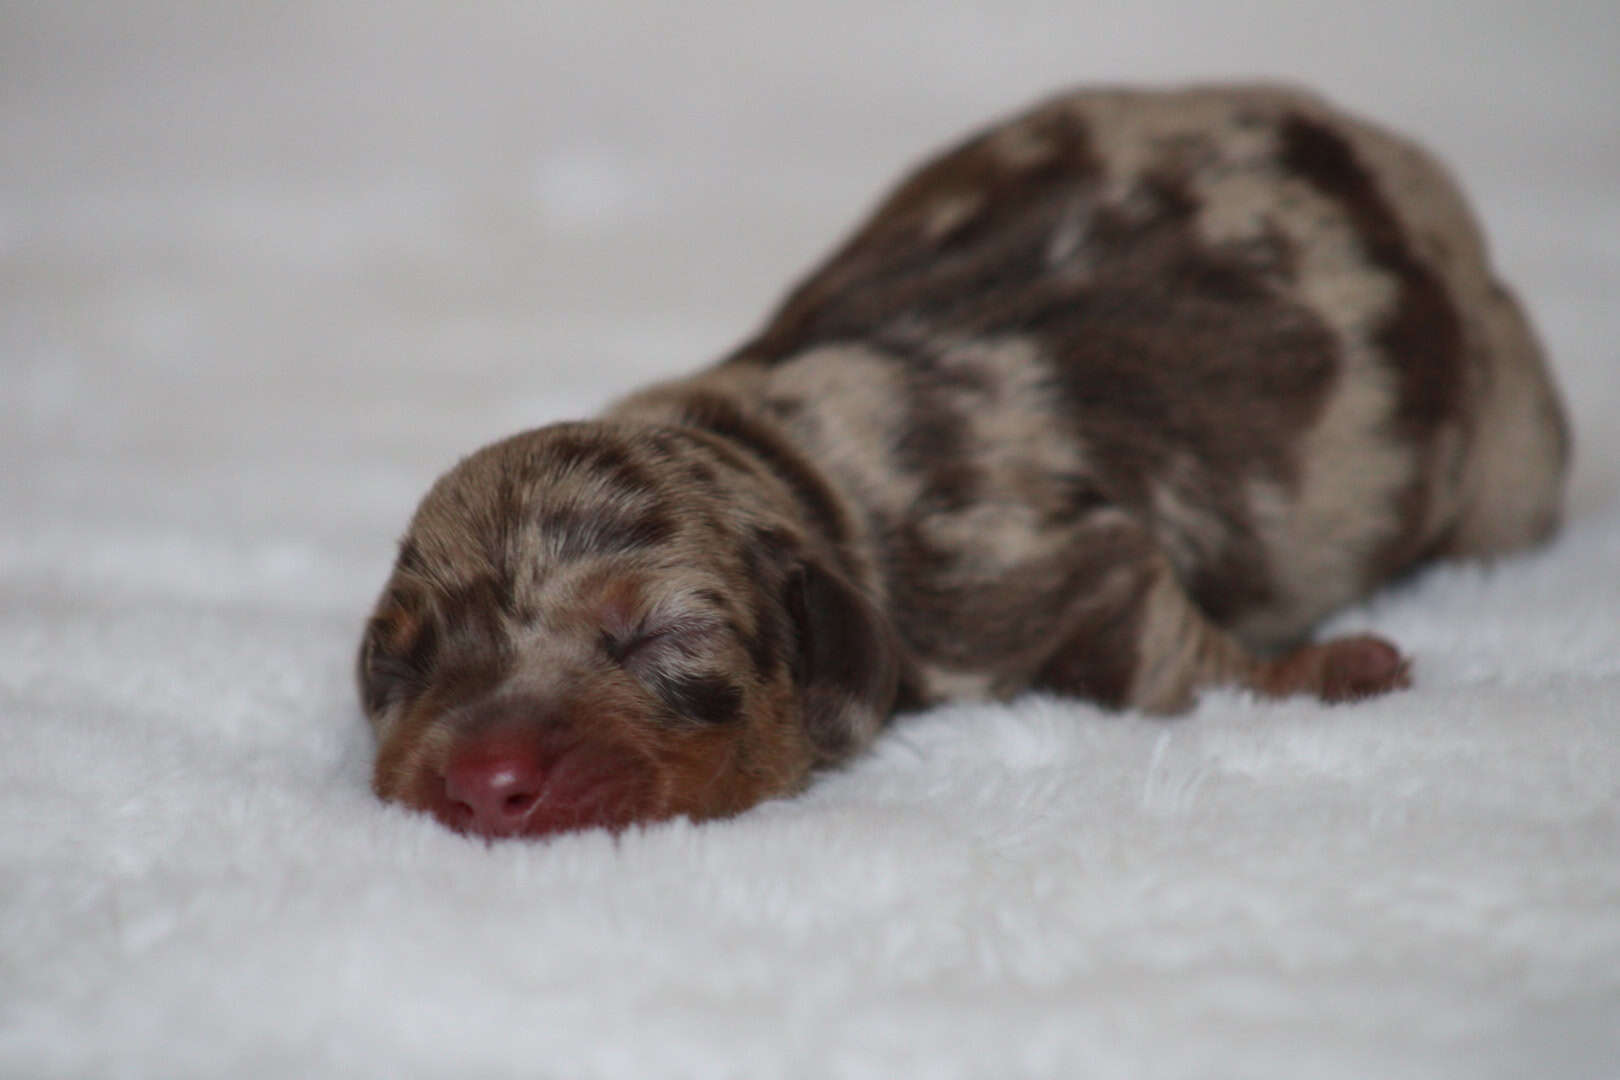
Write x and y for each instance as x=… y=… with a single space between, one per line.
x=1140 y=641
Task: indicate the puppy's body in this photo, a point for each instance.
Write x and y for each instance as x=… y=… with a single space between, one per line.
x=1117 y=399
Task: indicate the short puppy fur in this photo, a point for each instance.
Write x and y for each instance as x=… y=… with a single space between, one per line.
x=1116 y=399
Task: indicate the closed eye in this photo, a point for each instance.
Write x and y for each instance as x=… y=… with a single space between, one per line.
x=688 y=636
x=622 y=649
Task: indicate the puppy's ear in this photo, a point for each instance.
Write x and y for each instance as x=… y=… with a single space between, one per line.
x=396 y=651
x=847 y=663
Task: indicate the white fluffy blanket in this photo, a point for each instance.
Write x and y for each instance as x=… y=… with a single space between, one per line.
x=266 y=269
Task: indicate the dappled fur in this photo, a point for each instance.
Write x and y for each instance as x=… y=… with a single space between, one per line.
x=1118 y=398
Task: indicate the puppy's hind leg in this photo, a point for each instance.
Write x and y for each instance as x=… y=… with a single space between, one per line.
x=1513 y=472
x=1141 y=642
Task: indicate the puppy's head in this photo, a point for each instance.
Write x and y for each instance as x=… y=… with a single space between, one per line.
x=596 y=624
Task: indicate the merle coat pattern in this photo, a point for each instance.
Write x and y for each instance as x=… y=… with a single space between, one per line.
x=1117 y=399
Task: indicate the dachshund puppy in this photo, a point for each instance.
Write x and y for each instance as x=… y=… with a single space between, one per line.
x=1116 y=400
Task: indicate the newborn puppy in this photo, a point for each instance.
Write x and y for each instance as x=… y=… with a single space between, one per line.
x=1116 y=400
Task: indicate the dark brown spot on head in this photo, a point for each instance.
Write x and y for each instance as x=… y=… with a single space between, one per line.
x=706 y=699
x=470 y=617
x=410 y=559
x=577 y=449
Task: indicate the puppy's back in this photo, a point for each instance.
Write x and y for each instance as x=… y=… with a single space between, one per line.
x=1264 y=328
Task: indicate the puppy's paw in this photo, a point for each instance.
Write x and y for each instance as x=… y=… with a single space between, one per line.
x=1342 y=669
x=1361 y=666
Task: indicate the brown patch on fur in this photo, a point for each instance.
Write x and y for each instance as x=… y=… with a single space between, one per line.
x=1423 y=335
x=721 y=416
x=1101 y=652
x=1151 y=352
x=898 y=263
x=1424 y=331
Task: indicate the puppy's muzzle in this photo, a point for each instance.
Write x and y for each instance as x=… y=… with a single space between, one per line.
x=516 y=771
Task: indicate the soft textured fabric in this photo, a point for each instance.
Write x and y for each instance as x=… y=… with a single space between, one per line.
x=266 y=269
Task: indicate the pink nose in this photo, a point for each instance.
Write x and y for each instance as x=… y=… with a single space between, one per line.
x=494 y=786
x=514 y=780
